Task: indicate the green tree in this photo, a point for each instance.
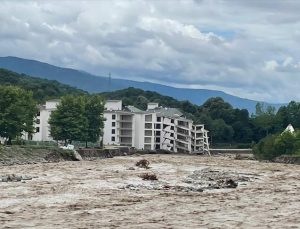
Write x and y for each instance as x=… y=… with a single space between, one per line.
x=285 y=143
x=42 y=89
x=142 y=102
x=68 y=122
x=265 y=148
x=78 y=118
x=264 y=120
x=17 y=112
x=221 y=132
x=242 y=132
x=272 y=146
x=94 y=107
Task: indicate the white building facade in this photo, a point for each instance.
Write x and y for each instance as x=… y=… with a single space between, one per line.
x=153 y=129
x=42 y=128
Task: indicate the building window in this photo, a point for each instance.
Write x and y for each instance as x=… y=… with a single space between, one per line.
x=148 y=133
x=113 y=124
x=38 y=121
x=38 y=114
x=172 y=127
x=113 y=139
x=148 y=118
x=158 y=119
x=172 y=120
x=148 y=125
x=113 y=131
x=158 y=126
x=37 y=130
x=113 y=116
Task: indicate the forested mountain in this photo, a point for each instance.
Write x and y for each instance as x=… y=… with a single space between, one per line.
x=42 y=89
x=92 y=83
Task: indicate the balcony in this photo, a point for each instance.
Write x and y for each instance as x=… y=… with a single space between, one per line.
x=126 y=141
x=148 y=125
x=148 y=133
x=182 y=148
x=183 y=124
x=147 y=139
x=125 y=133
x=183 y=132
x=125 y=125
x=125 y=118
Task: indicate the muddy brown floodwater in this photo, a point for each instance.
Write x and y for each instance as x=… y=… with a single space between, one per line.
x=108 y=193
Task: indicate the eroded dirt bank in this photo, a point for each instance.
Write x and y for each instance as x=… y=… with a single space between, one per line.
x=109 y=194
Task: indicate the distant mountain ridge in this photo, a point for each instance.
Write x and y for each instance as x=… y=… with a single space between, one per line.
x=92 y=83
x=42 y=89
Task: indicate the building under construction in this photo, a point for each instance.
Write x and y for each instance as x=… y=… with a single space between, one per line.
x=153 y=129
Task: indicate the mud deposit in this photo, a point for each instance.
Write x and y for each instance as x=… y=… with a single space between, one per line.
x=190 y=192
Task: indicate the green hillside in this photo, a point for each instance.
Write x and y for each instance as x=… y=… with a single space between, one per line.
x=42 y=89
x=139 y=98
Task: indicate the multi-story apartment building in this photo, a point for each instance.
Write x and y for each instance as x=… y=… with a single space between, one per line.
x=155 y=128
x=42 y=128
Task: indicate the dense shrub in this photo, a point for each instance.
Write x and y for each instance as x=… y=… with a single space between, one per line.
x=278 y=144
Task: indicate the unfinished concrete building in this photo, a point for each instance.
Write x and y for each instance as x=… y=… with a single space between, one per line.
x=155 y=128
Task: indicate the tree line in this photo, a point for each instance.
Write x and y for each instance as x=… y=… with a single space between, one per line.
x=226 y=124
x=42 y=89
x=77 y=117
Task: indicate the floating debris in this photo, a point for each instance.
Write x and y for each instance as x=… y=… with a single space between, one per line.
x=148 y=176
x=214 y=179
x=15 y=178
x=143 y=164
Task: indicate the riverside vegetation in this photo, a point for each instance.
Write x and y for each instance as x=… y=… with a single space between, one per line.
x=79 y=116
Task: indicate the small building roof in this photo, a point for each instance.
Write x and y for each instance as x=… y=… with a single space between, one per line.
x=133 y=109
x=169 y=112
x=289 y=128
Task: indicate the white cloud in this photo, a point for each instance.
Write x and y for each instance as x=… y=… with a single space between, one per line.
x=246 y=48
x=271 y=65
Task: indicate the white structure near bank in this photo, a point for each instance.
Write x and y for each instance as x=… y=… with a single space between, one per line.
x=289 y=128
x=155 y=128
x=42 y=128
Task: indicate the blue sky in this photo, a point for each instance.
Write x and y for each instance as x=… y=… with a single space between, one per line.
x=245 y=48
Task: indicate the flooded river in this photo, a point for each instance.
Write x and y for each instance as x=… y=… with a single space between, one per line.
x=189 y=193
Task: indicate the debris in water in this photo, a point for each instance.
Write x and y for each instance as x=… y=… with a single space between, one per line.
x=14 y=178
x=148 y=176
x=143 y=164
